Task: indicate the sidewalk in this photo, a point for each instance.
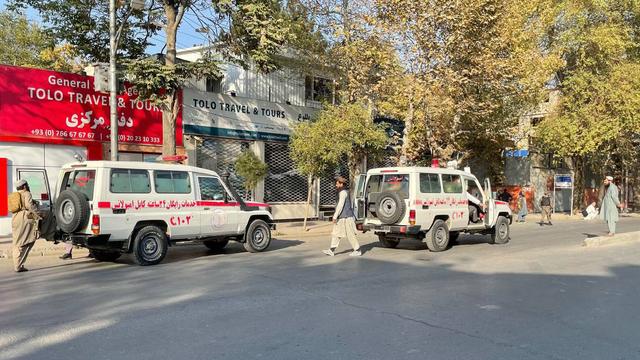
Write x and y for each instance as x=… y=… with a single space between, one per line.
x=47 y=248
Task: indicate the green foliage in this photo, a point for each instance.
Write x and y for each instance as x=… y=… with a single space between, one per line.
x=257 y=31
x=251 y=169
x=155 y=80
x=85 y=25
x=600 y=104
x=472 y=72
x=342 y=130
x=23 y=43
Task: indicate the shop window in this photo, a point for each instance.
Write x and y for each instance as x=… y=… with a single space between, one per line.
x=318 y=89
x=130 y=181
x=214 y=85
x=452 y=184
x=430 y=184
x=536 y=121
x=172 y=182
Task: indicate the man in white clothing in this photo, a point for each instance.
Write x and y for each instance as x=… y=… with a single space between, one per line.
x=344 y=221
x=475 y=206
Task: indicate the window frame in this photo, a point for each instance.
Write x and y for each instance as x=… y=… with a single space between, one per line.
x=155 y=182
x=444 y=190
x=129 y=172
x=441 y=189
x=226 y=198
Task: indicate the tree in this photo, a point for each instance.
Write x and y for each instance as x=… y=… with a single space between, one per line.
x=251 y=169
x=339 y=131
x=314 y=153
x=24 y=43
x=473 y=71
x=597 y=118
x=248 y=32
x=84 y=24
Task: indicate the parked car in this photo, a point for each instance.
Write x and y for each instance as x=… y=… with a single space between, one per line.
x=428 y=204
x=113 y=208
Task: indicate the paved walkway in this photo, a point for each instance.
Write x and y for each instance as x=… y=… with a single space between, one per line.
x=285 y=230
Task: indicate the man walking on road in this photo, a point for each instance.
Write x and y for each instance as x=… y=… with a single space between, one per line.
x=610 y=205
x=545 y=205
x=24 y=226
x=344 y=221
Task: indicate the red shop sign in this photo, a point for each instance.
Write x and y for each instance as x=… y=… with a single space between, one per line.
x=48 y=104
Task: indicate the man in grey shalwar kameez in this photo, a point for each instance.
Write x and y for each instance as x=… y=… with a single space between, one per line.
x=610 y=205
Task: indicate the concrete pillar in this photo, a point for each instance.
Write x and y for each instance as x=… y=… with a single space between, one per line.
x=190 y=145
x=258 y=148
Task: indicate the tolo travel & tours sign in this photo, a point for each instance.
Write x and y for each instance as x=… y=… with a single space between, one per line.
x=46 y=104
x=242 y=118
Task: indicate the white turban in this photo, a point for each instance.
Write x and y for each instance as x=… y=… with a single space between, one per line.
x=21 y=183
x=610 y=178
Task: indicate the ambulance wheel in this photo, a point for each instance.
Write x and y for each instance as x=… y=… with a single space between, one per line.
x=437 y=238
x=387 y=242
x=258 y=236
x=150 y=246
x=216 y=245
x=501 y=232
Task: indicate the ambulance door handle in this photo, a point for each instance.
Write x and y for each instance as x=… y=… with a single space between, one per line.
x=206 y=209
x=425 y=207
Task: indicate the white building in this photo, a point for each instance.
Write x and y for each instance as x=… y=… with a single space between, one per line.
x=248 y=110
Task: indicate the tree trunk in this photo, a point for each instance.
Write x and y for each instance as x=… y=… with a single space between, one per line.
x=408 y=124
x=578 y=183
x=174 y=12
x=306 y=210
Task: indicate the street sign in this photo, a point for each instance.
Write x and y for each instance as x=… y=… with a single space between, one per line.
x=563 y=182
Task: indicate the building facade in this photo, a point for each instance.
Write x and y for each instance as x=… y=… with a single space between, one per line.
x=50 y=118
x=245 y=110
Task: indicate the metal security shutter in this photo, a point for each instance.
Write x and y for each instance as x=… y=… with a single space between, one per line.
x=283 y=183
x=390 y=158
x=220 y=156
x=328 y=194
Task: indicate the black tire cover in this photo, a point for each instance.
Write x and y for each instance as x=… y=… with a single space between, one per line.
x=78 y=213
x=390 y=208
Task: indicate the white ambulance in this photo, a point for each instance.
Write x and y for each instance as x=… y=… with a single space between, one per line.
x=142 y=208
x=429 y=204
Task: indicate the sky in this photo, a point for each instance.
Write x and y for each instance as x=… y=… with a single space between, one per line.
x=187 y=34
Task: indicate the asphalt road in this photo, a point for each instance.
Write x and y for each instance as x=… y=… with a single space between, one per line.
x=542 y=296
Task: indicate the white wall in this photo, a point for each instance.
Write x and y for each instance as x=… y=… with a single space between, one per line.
x=41 y=156
x=278 y=86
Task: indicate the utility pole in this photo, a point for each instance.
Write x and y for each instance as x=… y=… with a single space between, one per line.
x=113 y=99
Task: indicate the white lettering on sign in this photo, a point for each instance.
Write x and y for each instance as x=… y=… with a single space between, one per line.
x=53 y=80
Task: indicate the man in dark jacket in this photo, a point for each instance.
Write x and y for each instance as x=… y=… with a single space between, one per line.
x=545 y=205
x=344 y=221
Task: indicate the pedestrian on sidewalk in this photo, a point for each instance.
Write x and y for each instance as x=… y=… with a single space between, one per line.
x=68 y=252
x=24 y=226
x=522 y=207
x=344 y=221
x=610 y=205
x=545 y=205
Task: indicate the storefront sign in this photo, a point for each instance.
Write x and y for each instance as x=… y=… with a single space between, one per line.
x=46 y=104
x=563 y=182
x=242 y=118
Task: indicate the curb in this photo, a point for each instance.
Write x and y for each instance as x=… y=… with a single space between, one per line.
x=616 y=239
x=52 y=250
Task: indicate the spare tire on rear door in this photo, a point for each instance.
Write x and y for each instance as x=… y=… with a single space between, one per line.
x=72 y=211
x=390 y=208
